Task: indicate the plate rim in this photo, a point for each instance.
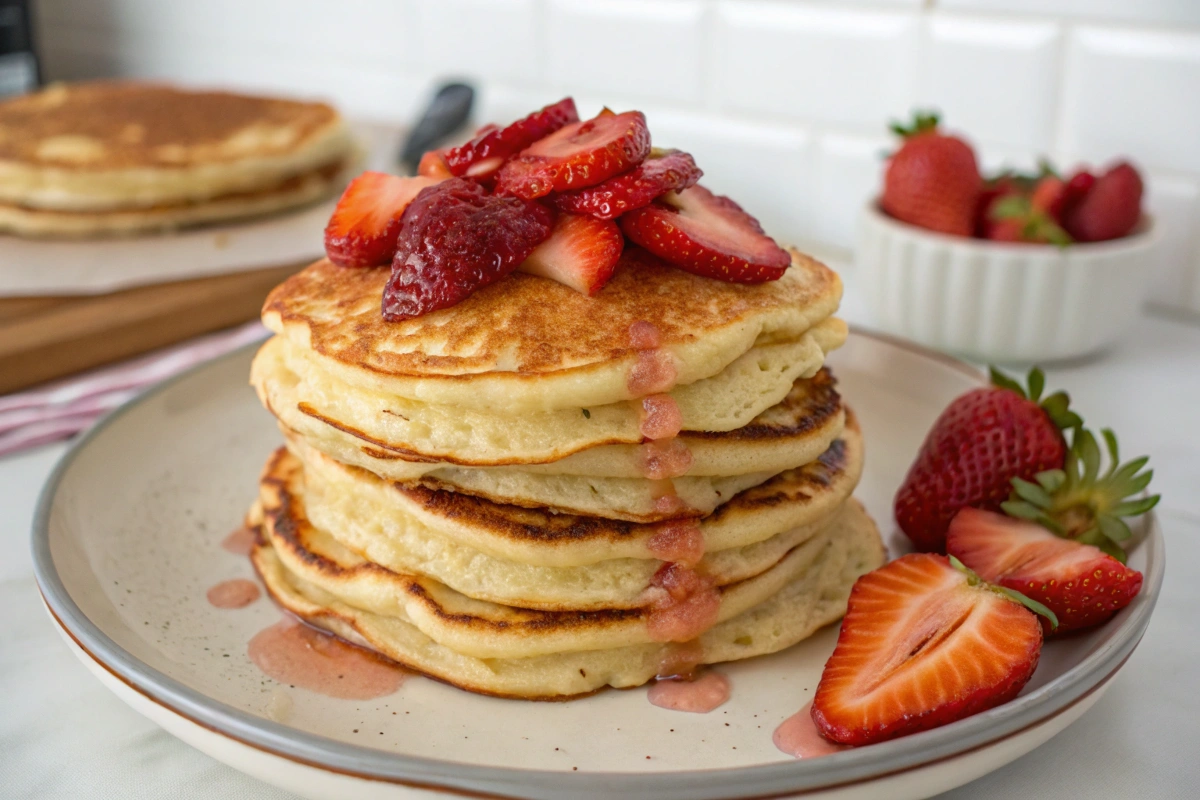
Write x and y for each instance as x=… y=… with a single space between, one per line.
x=757 y=781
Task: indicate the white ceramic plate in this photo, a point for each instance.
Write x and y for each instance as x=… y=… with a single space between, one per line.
x=126 y=543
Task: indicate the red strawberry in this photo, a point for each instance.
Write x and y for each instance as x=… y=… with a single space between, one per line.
x=1077 y=188
x=983 y=440
x=580 y=155
x=433 y=165
x=1032 y=217
x=443 y=238
x=1080 y=583
x=922 y=644
x=1111 y=209
x=582 y=252
x=492 y=145
x=657 y=175
x=363 y=228
x=932 y=181
x=707 y=234
x=993 y=191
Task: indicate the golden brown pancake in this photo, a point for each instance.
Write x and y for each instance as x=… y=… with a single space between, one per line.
x=123 y=156
x=527 y=343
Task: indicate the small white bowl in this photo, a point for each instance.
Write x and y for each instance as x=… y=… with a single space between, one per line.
x=1000 y=301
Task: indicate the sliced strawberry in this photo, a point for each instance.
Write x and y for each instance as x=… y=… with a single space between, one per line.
x=433 y=165
x=1081 y=584
x=363 y=228
x=494 y=144
x=709 y=235
x=922 y=645
x=582 y=252
x=672 y=171
x=579 y=155
x=455 y=239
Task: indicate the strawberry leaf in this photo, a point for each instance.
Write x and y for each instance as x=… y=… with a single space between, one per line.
x=1032 y=493
x=973 y=579
x=1028 y=602
x=1133 y=508
x=1114 y=528
x=1002 y=381
x=1037 y=382
x=1051 y=480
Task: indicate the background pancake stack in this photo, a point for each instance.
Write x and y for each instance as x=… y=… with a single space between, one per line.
x=537 y=494
x=114 y=157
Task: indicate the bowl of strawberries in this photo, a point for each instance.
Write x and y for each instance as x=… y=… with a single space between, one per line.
x=1004 y=268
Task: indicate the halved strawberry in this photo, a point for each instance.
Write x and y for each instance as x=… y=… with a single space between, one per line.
x=433 y=165
x=579 y=155
x=1081 y=584
x=455 y=239
x=707 y=234
x=670 y=171
x=363 y=228
x=582 y=252
x=923 y=644
x=495 y=145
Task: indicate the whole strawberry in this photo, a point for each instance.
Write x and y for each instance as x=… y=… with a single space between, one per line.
x=983 y=440
x=1110 y=209
x=933 y=180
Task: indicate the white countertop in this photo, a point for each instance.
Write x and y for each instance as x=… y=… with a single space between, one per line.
x=62 y=735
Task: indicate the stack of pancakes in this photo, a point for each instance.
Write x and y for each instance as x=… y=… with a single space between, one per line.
x=118 y=157
x=471 y=494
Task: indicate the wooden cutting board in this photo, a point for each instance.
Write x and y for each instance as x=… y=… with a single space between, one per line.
x=42 y=338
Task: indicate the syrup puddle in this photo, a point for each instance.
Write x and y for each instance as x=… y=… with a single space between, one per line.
x=237 y=593
x=798 y=736
x=240 y=542
x=295 y=654
x=700 y=696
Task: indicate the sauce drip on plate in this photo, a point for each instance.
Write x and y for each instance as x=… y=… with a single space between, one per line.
x=237 y=593
x=798 y=736
x=240 y=542
x=702 y=694
x=297 y=655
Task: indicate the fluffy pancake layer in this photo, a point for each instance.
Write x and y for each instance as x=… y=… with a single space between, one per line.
x=515 y=653
x=110 y=145
x=526 y=345
x=466 y=543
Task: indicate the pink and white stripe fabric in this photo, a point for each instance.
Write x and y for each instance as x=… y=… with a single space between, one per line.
x=66 y=407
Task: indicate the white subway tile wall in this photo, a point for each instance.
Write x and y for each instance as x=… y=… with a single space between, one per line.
x=784 y=103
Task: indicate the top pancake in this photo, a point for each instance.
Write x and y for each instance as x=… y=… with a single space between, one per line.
x=527 y=343
x=118 y=144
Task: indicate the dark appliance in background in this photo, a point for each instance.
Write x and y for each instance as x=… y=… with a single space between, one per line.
x=19 y=72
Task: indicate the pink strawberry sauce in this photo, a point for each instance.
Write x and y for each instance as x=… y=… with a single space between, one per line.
x=681 y=660
x=659 y=460
x=295 y=654
x=644 y=336
x=237 y=593
x=240 y=542
x=798 y=736
x=699 y=695
x=687 y=606
x=660 y=418
x=678 y=540
x=654 y=372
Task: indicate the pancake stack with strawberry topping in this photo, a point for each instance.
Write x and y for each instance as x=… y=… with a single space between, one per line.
x=557 y=418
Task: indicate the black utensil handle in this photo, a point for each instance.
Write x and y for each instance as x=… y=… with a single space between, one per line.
x=448 y=111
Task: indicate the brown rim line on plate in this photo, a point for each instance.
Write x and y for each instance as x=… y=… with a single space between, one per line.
x=771 y=779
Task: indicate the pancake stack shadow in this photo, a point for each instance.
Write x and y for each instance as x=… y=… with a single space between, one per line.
x=538 y=494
